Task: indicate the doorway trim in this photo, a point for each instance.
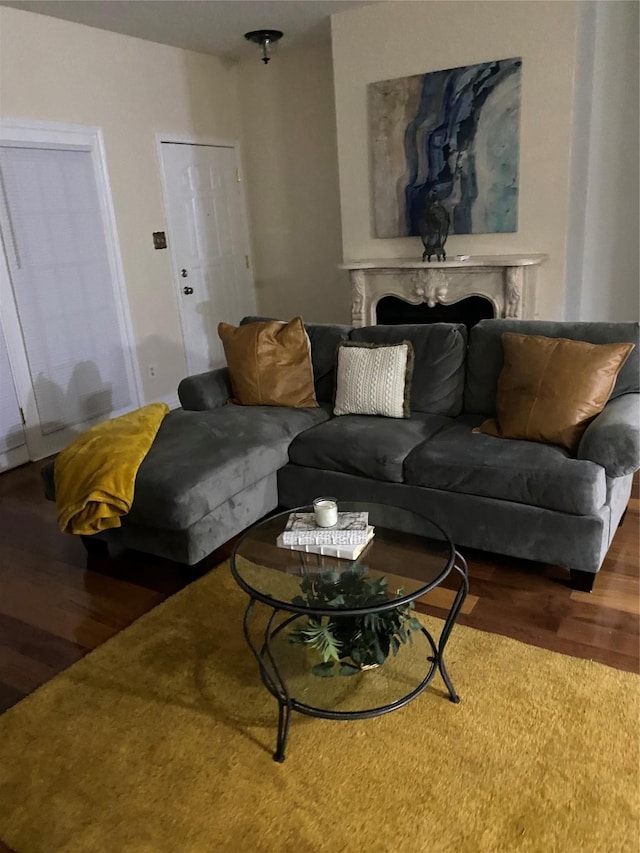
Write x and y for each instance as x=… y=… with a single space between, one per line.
x=207 y=142
x=49 y=134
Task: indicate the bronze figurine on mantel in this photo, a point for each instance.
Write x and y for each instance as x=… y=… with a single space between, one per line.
x=434 y=229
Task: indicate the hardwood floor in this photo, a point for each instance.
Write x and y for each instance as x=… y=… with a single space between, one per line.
x=55 y=605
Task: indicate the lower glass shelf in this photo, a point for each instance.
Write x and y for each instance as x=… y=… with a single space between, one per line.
x=365 y=691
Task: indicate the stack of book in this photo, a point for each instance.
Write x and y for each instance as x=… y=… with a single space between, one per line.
x=346 y=540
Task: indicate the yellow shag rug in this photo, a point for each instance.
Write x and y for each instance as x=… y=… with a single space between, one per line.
x=161 y=740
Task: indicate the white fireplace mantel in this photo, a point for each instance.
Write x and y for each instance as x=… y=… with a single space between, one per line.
x=507 y=281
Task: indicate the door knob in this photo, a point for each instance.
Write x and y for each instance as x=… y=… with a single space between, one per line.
x=184 y=273
x=187 y=291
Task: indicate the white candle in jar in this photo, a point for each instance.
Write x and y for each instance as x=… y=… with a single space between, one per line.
x=325 y=511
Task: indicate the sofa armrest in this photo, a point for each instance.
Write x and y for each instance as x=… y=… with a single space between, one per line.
x=205 y=390
x=612 y=439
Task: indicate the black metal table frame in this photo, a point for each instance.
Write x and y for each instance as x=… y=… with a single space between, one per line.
x=275 y=684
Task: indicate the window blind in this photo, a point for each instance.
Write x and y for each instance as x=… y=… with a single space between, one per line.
x=11 y=431
x=62 y=285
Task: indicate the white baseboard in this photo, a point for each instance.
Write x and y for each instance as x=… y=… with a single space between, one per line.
x=172 y=401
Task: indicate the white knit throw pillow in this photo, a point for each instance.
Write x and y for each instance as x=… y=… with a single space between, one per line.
x=374 y=379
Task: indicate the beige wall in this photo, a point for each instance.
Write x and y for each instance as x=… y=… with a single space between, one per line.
x=57 y=71
x=396 y=39
x=291 y=169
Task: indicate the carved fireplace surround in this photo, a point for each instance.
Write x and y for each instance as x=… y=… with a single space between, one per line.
x=507 y=281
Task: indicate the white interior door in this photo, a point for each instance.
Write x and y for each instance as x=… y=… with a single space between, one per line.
x=209 y=243
x=58 y=301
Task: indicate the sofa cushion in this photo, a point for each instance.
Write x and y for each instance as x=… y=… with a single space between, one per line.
x=364 y=445
x=269 y=363
x=324 y=338
x=374 y=379
x=543 y=475
x=485 y=356
x=439 y=359
x=551 y=388
x=200 y=459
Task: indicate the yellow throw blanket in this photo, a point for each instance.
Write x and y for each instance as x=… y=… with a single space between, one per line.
x=95 y=476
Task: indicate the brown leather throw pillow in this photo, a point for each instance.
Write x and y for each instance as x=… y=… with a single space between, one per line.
x=269 y=363
x=549 y=389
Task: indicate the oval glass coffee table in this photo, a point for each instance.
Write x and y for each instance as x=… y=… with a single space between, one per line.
x=320 y=606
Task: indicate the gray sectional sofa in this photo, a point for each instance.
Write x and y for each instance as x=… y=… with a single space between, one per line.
x=214 y=468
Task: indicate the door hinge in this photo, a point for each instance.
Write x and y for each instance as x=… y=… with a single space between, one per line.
x=238 y=178
x=246 y=261
x=22 y=417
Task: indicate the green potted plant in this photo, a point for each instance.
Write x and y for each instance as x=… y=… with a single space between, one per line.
x=349 y=644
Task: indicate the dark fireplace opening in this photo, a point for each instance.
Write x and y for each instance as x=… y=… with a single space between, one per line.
x=392 y=311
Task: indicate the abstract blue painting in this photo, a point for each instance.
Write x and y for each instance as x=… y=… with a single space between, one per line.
x=452 y=136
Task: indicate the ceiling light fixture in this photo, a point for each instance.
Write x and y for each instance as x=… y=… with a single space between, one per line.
x=265 y=38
